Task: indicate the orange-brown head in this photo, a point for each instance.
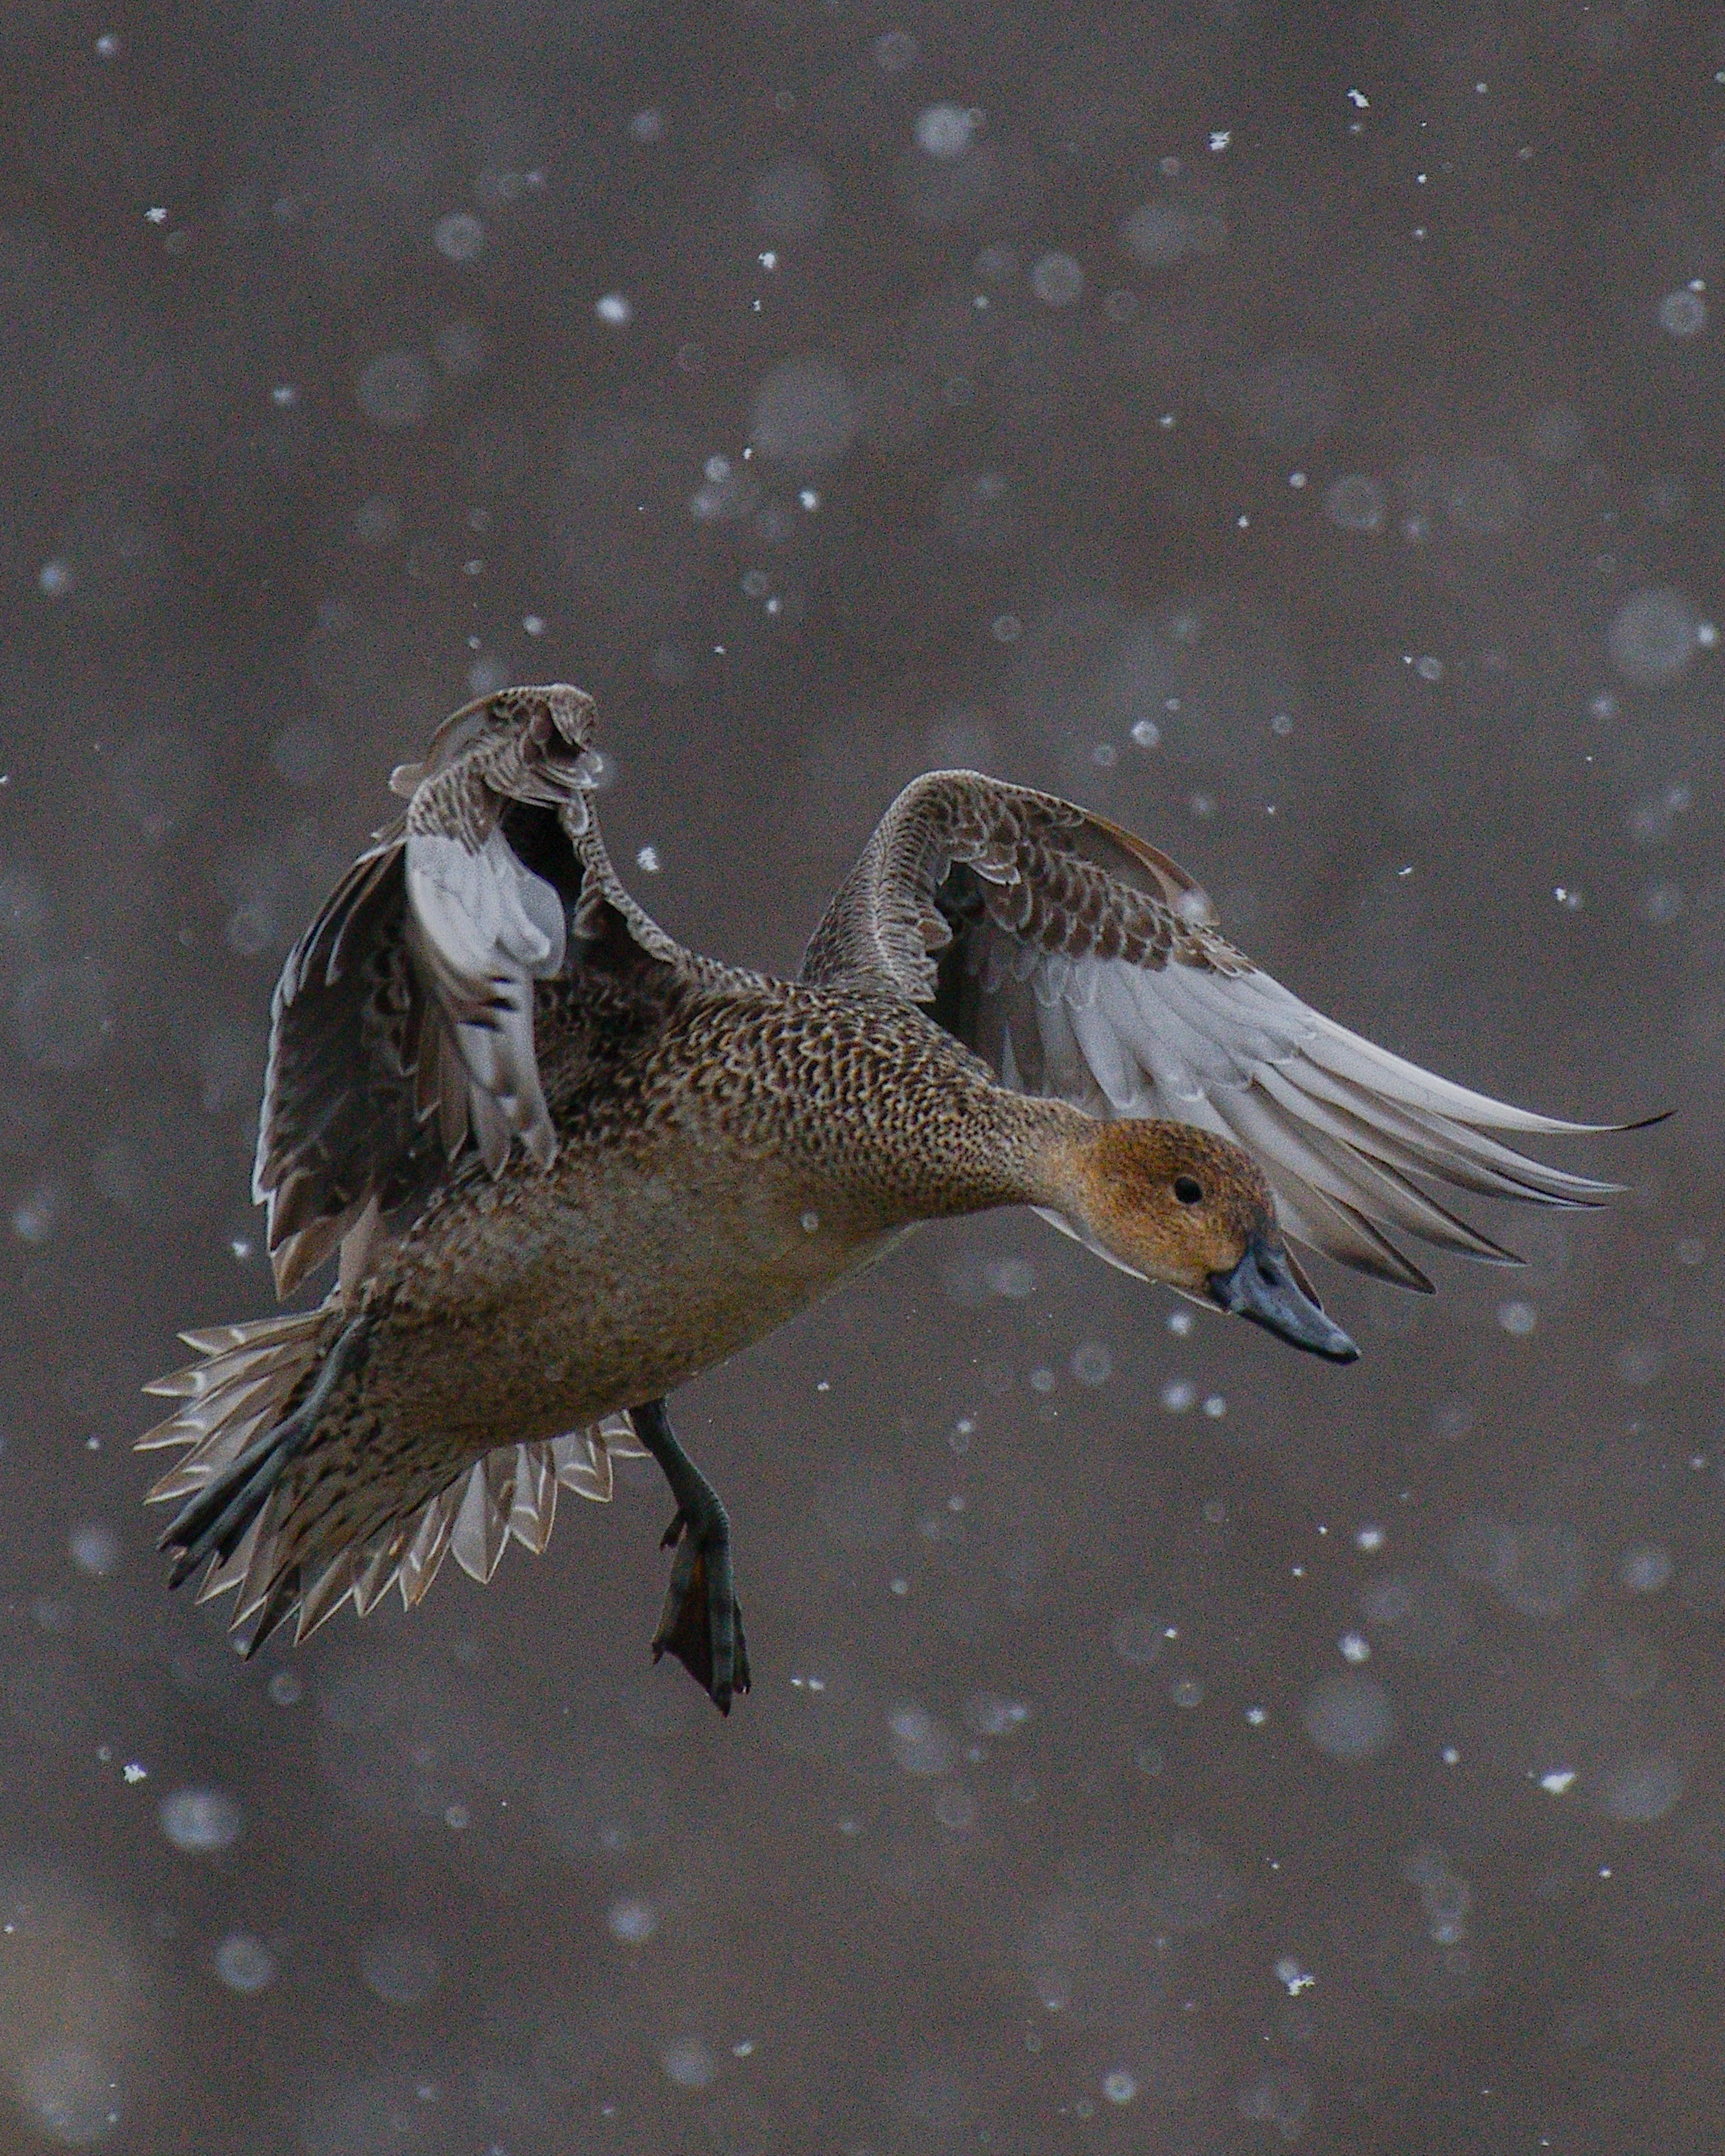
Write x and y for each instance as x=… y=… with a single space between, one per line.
x=1194 y=1211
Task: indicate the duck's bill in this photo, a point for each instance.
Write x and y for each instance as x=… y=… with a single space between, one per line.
x=1262 y=1287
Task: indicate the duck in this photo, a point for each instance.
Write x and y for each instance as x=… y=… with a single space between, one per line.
x=561 y=1164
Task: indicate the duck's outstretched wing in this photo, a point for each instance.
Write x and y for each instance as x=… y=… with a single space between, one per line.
x=1082 y=963
x=402 y=1027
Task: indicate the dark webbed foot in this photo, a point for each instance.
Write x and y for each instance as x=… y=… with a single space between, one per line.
x=701 y=1623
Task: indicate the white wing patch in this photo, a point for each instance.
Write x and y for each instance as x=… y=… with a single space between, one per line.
x=486 y=928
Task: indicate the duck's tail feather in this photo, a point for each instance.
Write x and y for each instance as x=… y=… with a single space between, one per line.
x=243 y=1425
x=511 y=1494
x=241 y=1460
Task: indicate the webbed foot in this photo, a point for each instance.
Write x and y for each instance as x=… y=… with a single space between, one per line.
x=701 y=1622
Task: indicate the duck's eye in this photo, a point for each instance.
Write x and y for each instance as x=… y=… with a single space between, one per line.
x=1188 y=1190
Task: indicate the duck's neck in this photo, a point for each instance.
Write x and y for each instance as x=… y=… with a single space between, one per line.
x=970 y=1146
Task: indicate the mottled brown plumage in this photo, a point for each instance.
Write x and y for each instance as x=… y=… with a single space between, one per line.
x=568 y=1165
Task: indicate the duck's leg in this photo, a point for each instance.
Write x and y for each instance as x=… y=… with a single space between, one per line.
x=701 y=1623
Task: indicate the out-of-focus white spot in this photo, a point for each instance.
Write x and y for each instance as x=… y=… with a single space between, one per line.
x=613 y=307
x=244 y=1965
x=35 y=1214
x=990 y=1715
x=55 y=578
x=107 y=46
x=1187 y=1692
x=955 y=1808
x=1119 y=2086
x=1653 y=636
x=1446 y=1896
x=1558 y=1781
x=1161 y=234
x=647 y=858
x=1356 y=503
x=631 y=1921
x=533 y=624
x=895 y=50
x=1354 y=1647
x=375 y=521
x=919 y=1743
x=69 y=2092
x=1257 y=1717
x=1014 y=1278
x=1368 y=1538
x=1517 y=1319
x=1057 y=280
x=689 y=2062
x=459 y=237
x=648 y=126
x=1220 y=137
x=1138 y=1636
x=284 y=396
x=1280 y=2098
x=395 y=389
x=1177 y=1395
x=944 y=131
x=134 y=1771
x=400 y=1967
x=1638 y=1361
x=1645 y=1569
x=199 y=1821
x=304 y=753
x=1091 y=1363
x=462 y=350
x=1640 y=1790
x=1349 y=1715
x=1292 y=1978
x=1683 y=313
x=94 y=1548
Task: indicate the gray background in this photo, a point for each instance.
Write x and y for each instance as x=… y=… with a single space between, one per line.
x=1160 y=1742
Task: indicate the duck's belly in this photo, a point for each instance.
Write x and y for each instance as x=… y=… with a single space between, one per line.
x=543 y=1302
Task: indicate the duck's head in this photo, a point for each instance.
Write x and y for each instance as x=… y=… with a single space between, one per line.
x=1195 y=1211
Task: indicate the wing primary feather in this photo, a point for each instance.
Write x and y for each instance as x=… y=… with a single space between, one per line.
x=1366 y=1188
x=1456 y=1152
x=1384 y=1154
